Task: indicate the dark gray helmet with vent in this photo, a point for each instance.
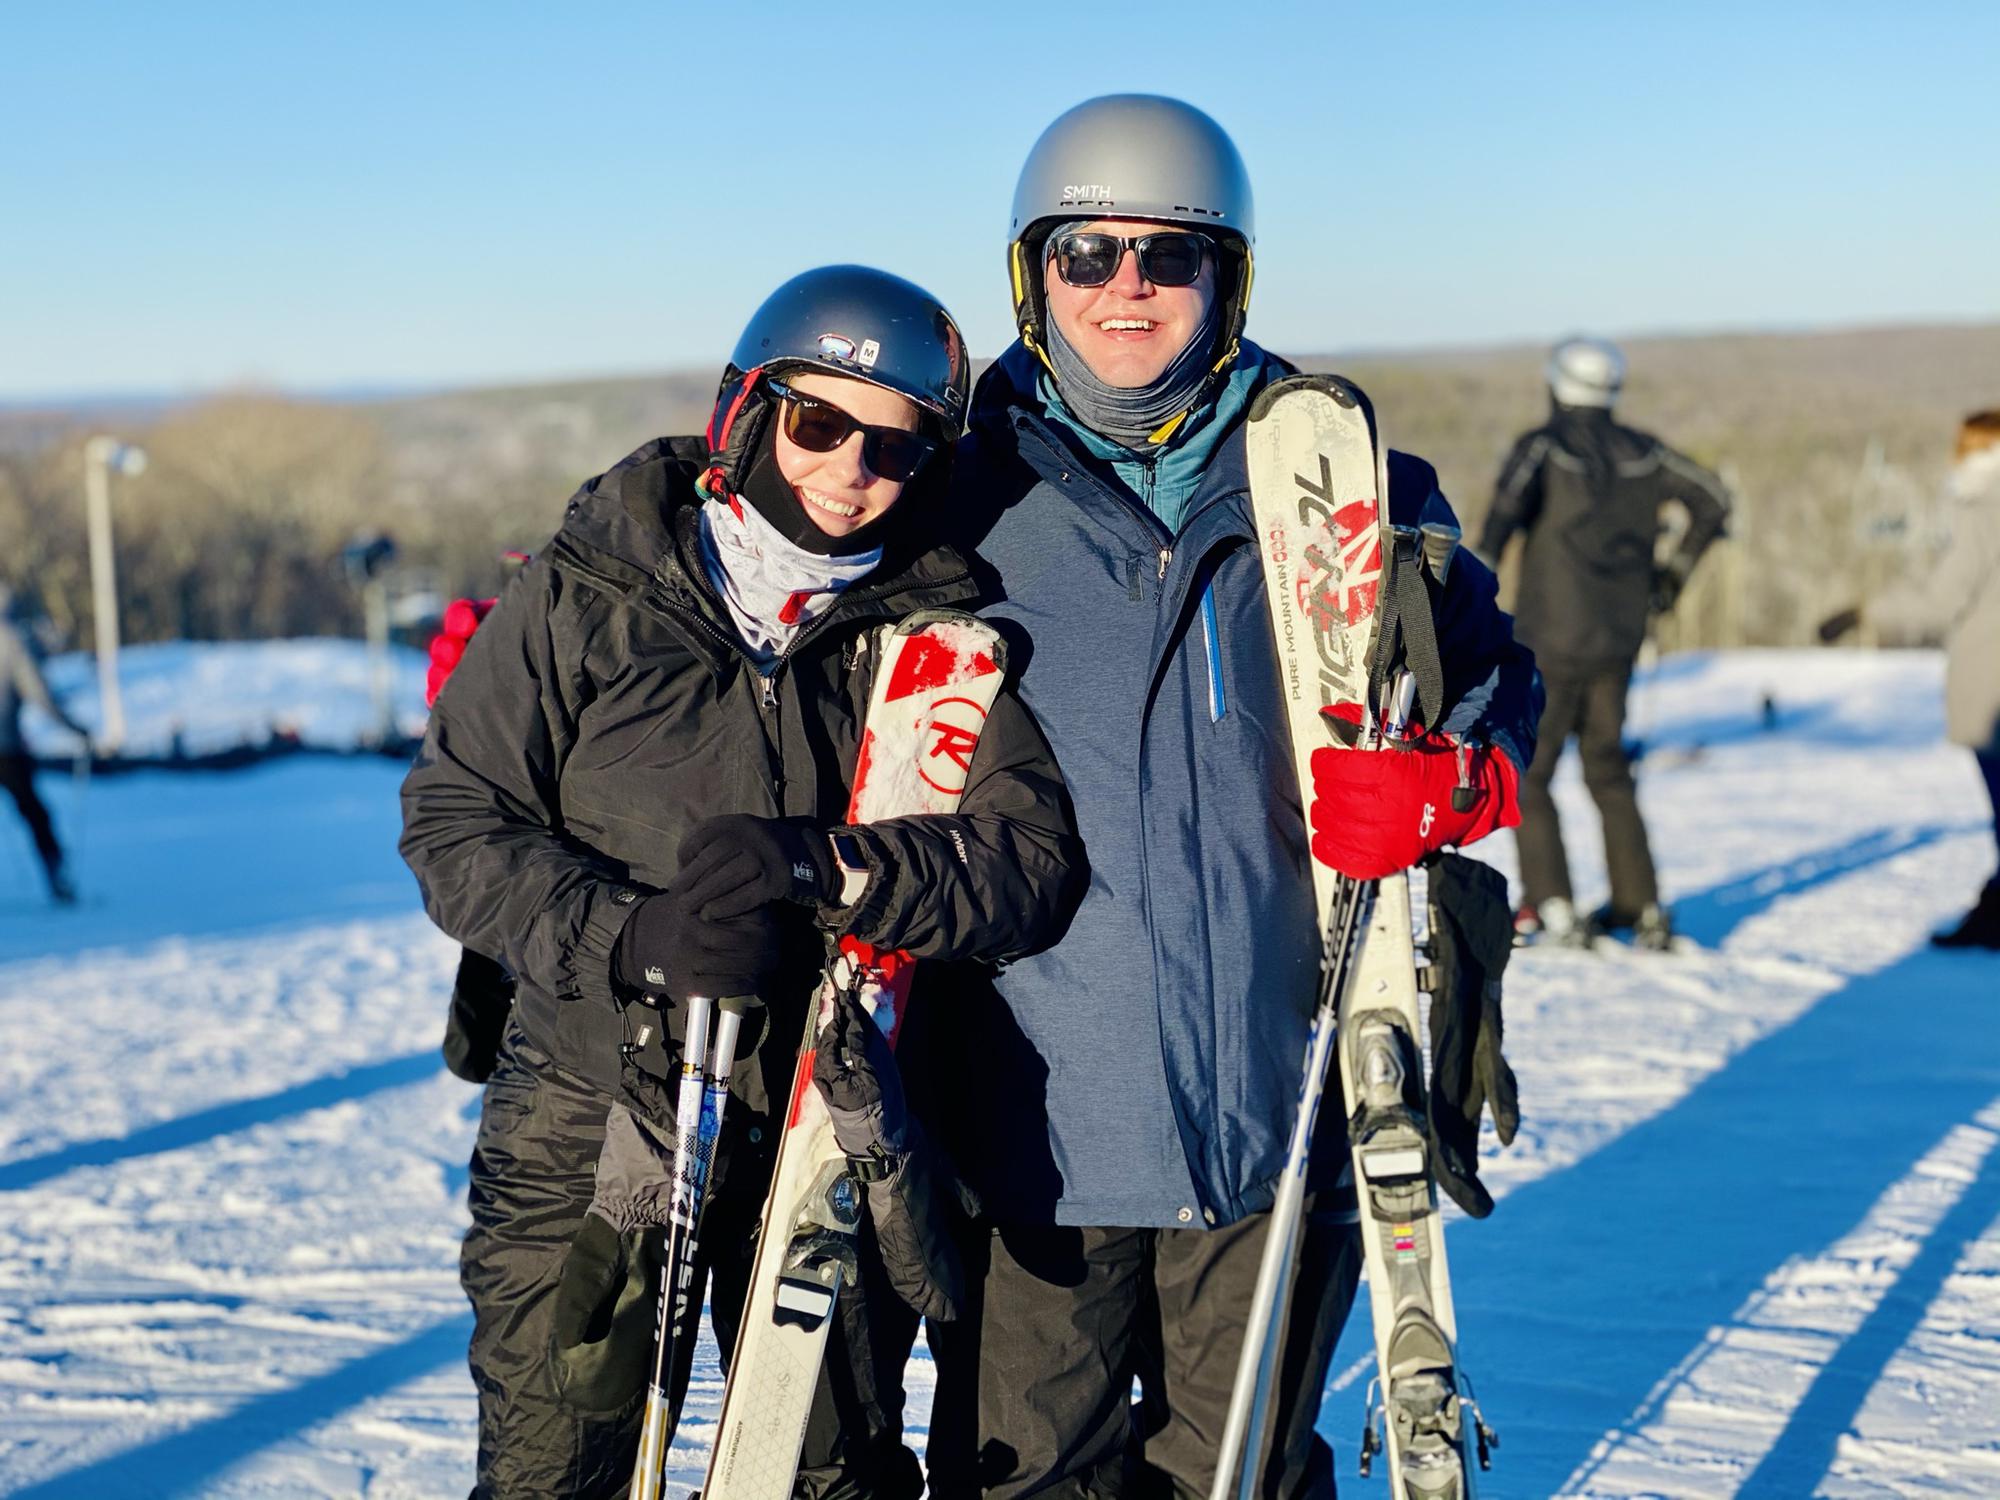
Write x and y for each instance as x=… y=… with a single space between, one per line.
x=867 y=324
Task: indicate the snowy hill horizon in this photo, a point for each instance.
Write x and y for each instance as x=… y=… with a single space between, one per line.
x=1748 y=1242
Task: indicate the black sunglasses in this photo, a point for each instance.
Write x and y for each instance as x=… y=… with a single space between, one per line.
x=1170 y=258
x=820 y=427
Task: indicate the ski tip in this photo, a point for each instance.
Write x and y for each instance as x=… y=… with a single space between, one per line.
x=1343 y=392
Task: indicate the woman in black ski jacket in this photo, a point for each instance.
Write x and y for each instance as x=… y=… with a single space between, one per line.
x=672 y=689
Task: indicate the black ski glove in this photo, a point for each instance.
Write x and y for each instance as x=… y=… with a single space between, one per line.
x=608 y=1292
x=735 y=862
x=1667 y=585
x=481 y=997
x=1472 y=934
x=857 y=1076
x=915 y=1200
x=670 y=947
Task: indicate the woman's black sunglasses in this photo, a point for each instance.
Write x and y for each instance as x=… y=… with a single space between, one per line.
x=1170 y=258
x=820 y=427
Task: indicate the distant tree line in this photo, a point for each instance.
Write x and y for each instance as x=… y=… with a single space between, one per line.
x=1836 y=445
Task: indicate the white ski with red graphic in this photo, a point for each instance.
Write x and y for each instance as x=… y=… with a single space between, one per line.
x=1319 y=494
x=937 y=675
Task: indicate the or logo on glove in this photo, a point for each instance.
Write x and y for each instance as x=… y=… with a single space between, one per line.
x=1375 y=812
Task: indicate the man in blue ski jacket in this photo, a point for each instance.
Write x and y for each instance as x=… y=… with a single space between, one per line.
x=1128 y=1095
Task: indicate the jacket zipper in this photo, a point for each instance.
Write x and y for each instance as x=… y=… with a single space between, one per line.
x=768 y=681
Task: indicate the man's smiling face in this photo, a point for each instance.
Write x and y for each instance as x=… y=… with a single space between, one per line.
x=1128 y=330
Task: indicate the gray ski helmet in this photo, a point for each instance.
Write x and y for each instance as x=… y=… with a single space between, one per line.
x=1132 y=156
x=867 y=324
x=1586 y=372
x=1135 y=156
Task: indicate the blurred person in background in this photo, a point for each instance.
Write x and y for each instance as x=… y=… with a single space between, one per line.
x=21 y=680
x=1587 y=494
x=1959 y=599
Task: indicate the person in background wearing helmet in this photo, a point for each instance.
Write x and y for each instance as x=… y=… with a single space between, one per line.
x=1588 y=494
x=21 y=680
x=633 y=787
x=1135 y=1086
x=1959 y=599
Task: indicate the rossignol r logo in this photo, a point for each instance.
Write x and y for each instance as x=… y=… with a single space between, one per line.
x=949 y=740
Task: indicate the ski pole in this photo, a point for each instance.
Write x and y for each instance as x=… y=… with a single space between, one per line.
x=1256 y=1361
x=653 y=1434
x=1249 y=1397
x=698 y=1111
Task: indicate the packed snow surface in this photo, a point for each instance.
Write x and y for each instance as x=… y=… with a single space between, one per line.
x=1748 y=1242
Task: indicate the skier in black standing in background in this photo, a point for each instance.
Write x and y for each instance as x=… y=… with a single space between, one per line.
x=1587 y=492
x=21 y=678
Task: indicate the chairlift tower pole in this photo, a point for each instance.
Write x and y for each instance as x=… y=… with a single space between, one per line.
x=101 y=455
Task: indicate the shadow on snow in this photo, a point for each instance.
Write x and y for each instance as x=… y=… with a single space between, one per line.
x=1586 y=1285
x=182 y=1462
x=224 y=1119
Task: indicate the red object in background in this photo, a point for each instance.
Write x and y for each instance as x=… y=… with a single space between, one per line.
x=1375 y=812
x=462 y=618
x=446 y=651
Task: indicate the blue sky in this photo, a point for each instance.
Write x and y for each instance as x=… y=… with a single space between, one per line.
x=327 y=196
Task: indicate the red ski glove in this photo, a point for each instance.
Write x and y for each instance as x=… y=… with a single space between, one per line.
x=461 y=622
x=1375 y=812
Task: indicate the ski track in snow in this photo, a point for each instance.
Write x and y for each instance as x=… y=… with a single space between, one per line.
x=1749 y=1240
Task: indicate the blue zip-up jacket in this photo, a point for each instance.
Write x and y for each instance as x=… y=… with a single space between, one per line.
x=1145 y=1070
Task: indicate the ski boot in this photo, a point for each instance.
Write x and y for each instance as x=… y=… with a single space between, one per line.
x=62 y=890
x=1980 y=927
x=1555 y=921
x=1651 y=927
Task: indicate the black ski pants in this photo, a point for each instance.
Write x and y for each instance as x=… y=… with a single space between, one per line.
x=1588 y=703
x=532 y=1177
x=1071 y=1316
x=17 y=775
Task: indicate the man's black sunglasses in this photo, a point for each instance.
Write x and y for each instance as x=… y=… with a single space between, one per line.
x=820 y=427
x=1087 y=258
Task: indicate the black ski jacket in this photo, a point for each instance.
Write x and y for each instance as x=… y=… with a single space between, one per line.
x=606 y=706
x=1588 y=492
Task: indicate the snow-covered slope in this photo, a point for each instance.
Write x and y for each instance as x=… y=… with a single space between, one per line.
x=217 y=695
x=1748 y=1243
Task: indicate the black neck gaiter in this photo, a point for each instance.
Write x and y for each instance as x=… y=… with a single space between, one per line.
x=777 y=502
